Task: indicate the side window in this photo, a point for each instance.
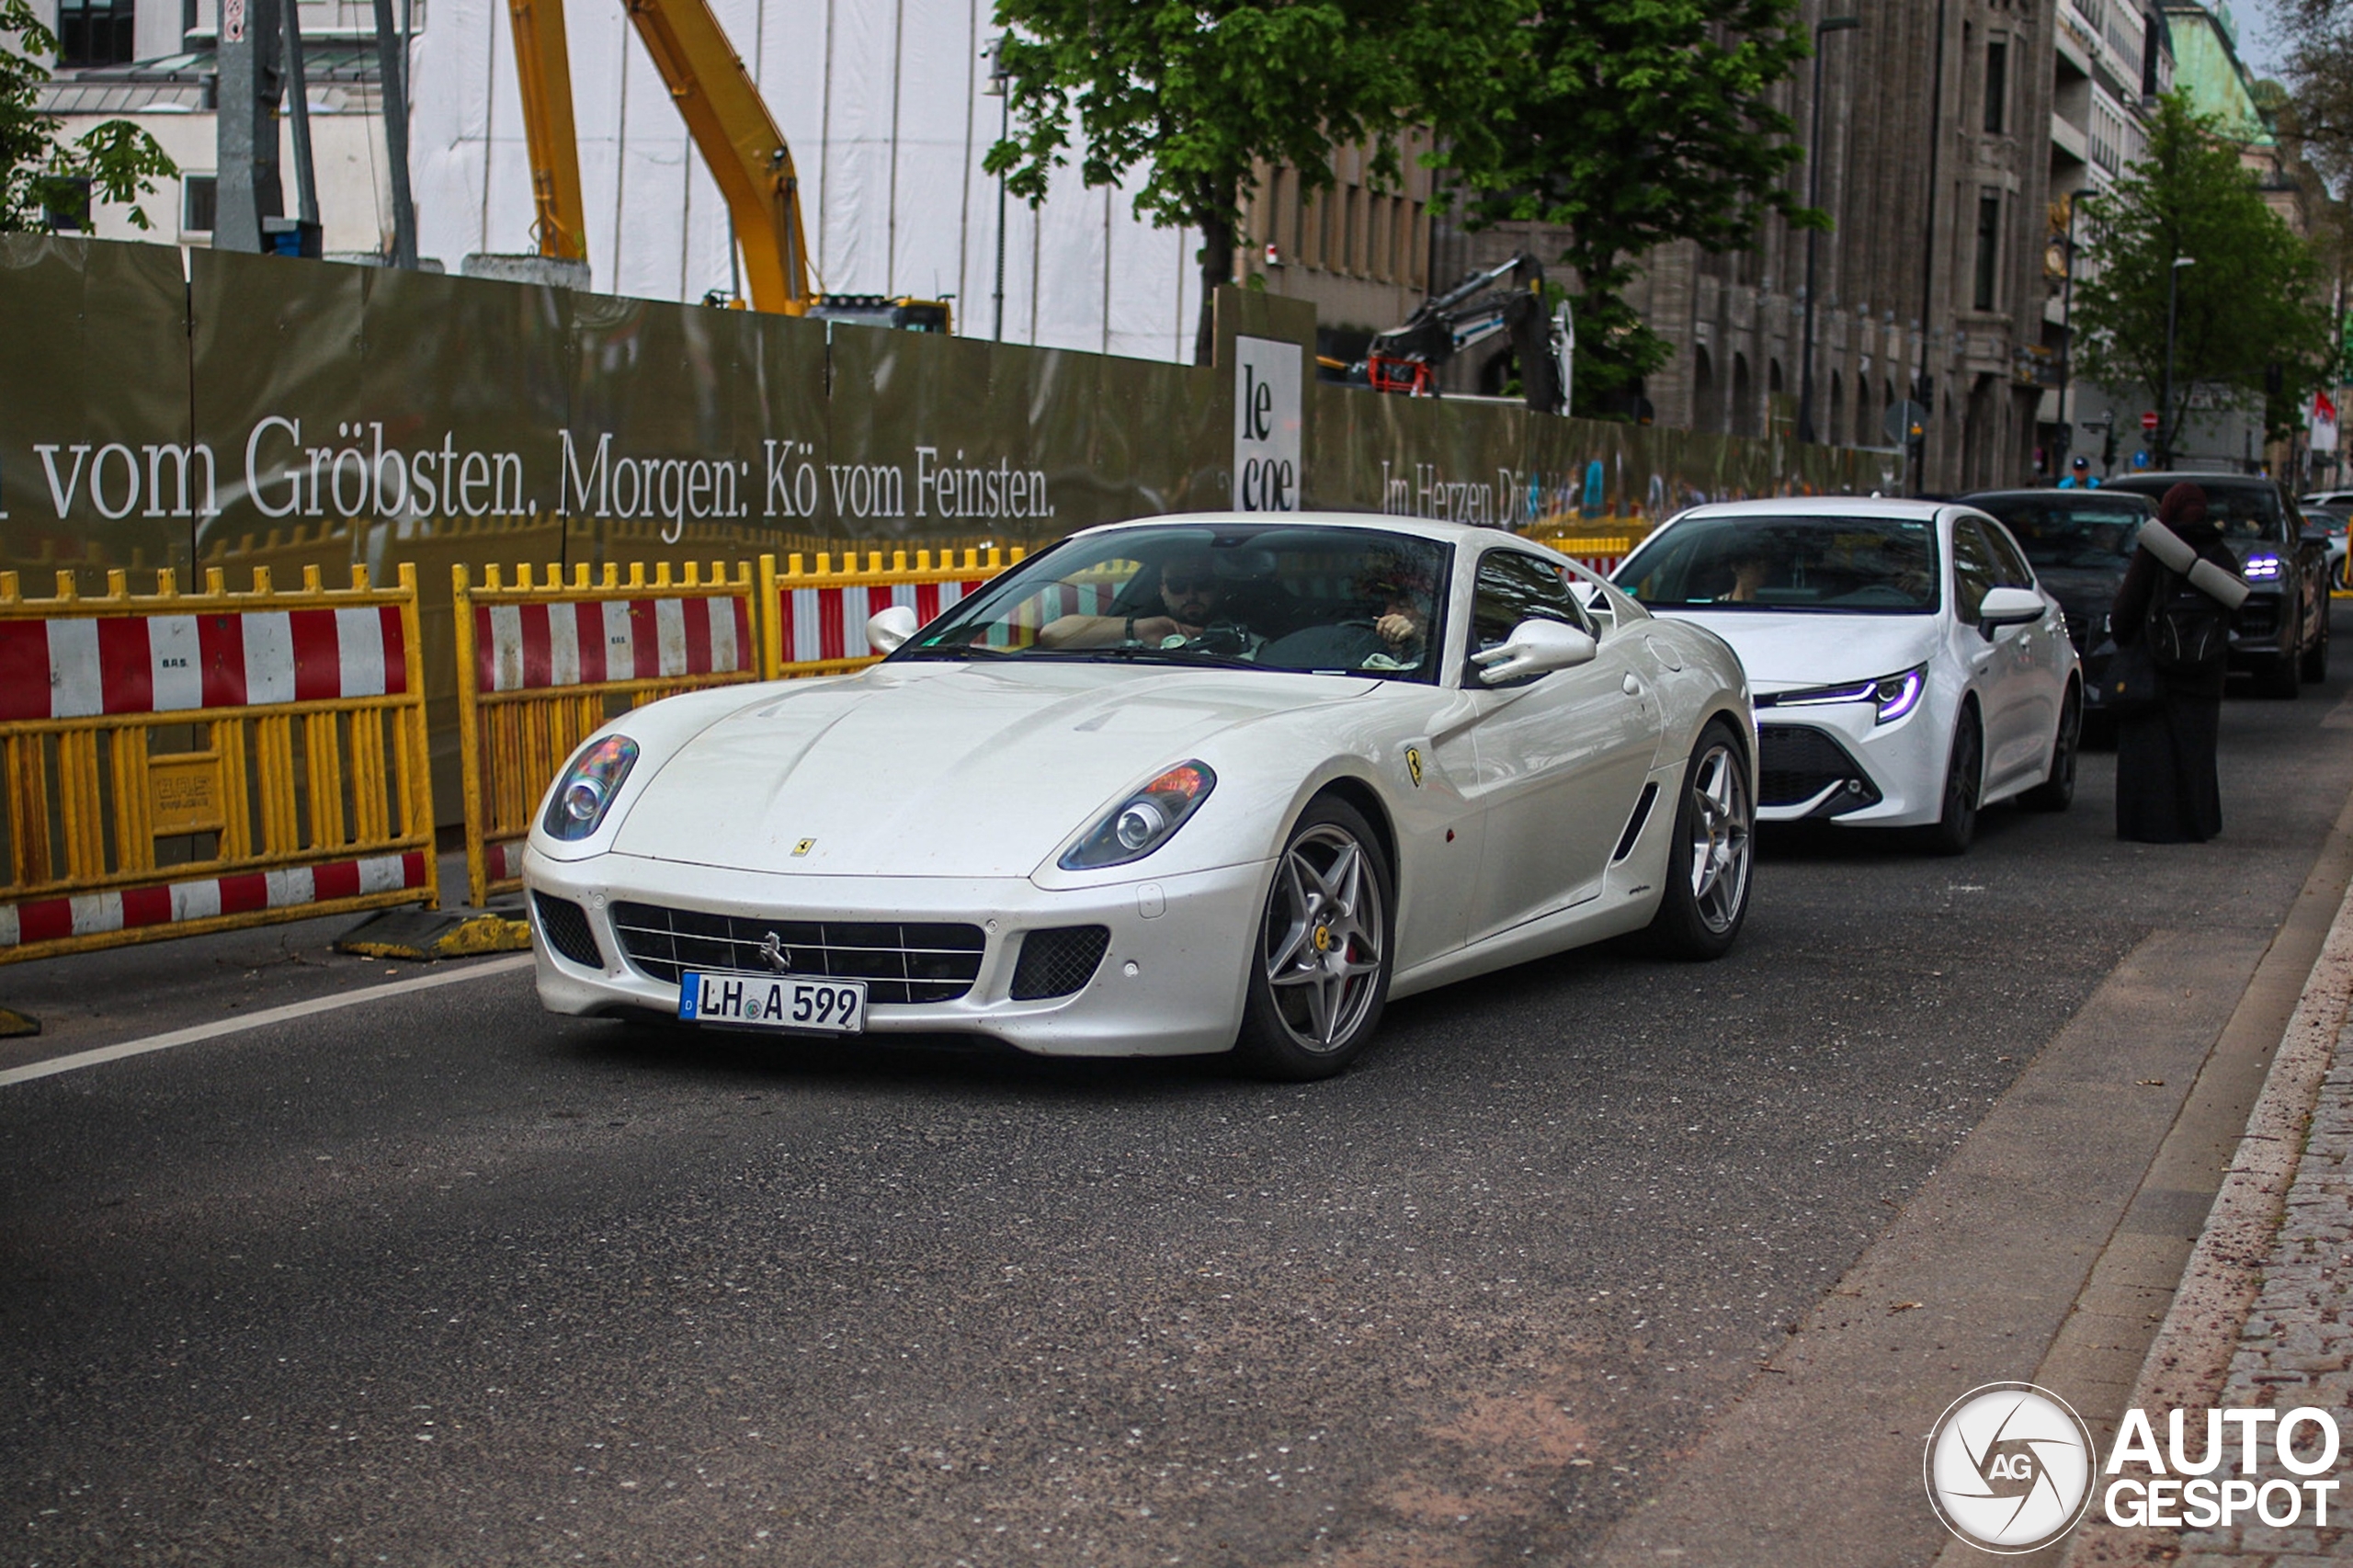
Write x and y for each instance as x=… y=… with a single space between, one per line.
x=1513 y=587
x=1974 y=573
x=2010 y=570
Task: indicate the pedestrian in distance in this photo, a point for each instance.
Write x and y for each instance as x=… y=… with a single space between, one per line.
x=2172 y=625
x=2079 y=475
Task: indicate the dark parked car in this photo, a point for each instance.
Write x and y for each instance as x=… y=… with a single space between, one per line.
x=2078 y=541
x=2282 y=634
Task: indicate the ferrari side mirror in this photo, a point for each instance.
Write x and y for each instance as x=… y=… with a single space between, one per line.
x=888 y=630
x=1534 y=648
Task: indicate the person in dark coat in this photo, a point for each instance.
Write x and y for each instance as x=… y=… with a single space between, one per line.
x=2167 y=790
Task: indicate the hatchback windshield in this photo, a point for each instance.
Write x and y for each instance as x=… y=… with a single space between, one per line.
x=1853 y=565
x=1292 y=598
x=2082 y=536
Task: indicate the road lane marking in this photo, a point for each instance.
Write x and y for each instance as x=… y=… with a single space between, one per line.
x=189 y=1036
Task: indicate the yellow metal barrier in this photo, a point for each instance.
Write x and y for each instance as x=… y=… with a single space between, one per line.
x=541 y=666
x=180 y=763
x=1602 y=553
x=816 y=620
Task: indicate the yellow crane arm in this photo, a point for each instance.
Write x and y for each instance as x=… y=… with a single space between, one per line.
x=543 y=67
x=739 y=142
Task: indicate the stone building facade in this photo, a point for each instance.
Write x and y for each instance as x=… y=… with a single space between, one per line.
x=1942 y=275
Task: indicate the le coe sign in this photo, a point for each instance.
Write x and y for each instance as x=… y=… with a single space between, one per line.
x=1266 y=425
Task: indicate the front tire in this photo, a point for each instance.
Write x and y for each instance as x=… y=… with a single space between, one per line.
x=1708 y=859
x=2057 y=790
x=1964 y=781
x=1319 y=967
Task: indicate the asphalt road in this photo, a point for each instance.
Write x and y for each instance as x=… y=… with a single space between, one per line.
x=443 y=1279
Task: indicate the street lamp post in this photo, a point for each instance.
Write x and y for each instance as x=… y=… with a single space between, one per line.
x=1000 y=87
x=2165 y=431
x=1814 y=198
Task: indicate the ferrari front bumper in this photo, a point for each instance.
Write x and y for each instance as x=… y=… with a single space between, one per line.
x=1171 y=982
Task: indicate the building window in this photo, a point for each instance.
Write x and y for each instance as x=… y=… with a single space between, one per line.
x=69 y=208
x=95 y=32
x=1989 y=237
x=1299 y=198
x=200 y=201
x=1998 y=84
x=1349 y=220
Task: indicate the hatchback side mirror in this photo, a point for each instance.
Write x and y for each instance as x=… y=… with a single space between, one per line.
x=2008 y=606
x=1534 y=648
x=888 y=630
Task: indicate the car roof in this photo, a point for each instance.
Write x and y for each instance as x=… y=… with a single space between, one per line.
x=2147 y=482
x=1897 y=508
x=1417 y=528
x=2043 y=493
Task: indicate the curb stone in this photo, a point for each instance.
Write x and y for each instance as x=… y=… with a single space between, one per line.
x=2267 y=1296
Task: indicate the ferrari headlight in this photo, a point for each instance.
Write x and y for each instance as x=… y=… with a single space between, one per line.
x=1144 y=820
x=586 y=789
x=1891 y=696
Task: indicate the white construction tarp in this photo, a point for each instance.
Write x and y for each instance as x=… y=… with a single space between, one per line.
x=884 y=104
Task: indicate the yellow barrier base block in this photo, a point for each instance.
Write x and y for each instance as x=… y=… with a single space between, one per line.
x=15 y=1025
x=422 y=937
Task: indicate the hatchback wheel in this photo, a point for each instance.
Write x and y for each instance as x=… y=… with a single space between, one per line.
x=1964 y=776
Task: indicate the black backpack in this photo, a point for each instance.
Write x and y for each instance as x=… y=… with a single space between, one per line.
x=2189 y=632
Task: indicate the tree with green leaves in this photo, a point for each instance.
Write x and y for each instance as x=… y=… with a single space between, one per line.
x=1198 y=96
x=1630 y=124
x=2247 y=303
x=43 y=176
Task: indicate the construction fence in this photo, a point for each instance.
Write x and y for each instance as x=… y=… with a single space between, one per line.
x=180 y=763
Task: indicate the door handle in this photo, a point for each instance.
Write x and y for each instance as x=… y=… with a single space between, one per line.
x=1632 y=686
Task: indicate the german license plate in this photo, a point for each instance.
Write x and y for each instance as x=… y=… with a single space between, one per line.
x=774 y=1002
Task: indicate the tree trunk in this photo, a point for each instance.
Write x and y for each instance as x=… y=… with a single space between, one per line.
x=1217 y=267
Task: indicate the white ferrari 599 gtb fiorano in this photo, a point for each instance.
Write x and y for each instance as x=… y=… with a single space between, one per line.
x=1194 y=784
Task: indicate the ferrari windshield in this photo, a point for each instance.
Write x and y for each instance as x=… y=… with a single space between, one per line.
x=1287 y=597
x=1853 y=565
x=2083 y=536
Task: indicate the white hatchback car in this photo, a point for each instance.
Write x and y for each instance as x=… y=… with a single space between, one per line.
x=1905 y=665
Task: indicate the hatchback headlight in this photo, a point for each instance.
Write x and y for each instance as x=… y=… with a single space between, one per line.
x=1892 y=696
x=585 y=791
x=1144 y=820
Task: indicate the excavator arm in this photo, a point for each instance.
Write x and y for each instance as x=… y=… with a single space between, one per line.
x=544 y=68
x=739 y=142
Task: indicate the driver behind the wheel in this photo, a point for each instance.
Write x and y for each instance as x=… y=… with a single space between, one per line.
x=1185 y=598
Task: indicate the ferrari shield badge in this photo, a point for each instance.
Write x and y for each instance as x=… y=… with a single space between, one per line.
x=1414 y=765
x=804 y=847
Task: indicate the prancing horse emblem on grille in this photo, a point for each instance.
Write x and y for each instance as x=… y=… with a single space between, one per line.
x=775 y=954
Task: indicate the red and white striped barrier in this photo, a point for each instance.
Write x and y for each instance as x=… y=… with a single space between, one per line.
x=84 y=666
x=825 y=625
x=206 y=898
x=533 y=646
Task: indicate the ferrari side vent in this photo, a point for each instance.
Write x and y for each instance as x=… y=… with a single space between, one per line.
x=1058 y=961
x=1635 y=823
x=565 y=924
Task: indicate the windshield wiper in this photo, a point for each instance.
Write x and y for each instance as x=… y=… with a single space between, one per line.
x=1157 y=656
x=964 y=651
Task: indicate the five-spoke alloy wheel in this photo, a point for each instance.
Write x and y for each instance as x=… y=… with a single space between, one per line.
x=1708 y=864
x=1319 y=970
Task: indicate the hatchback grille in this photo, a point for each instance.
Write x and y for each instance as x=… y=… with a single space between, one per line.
x=1059 y=961
x=899 y=962
x=1796 y=763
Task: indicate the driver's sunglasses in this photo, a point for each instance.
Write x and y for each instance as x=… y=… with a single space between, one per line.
x=1184 y=585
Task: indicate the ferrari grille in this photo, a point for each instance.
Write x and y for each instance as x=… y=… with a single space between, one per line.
x=1795 y=763
x=899 y=961
x=565 y=927
x=1058 y=961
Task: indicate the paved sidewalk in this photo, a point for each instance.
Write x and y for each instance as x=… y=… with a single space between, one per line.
x=2297 y=1347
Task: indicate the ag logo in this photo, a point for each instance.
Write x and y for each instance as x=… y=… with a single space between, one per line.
x=2009 y=1468
x=1414 y=763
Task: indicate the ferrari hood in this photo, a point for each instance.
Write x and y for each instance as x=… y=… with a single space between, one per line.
x=1784 y=652
x=939 y=769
